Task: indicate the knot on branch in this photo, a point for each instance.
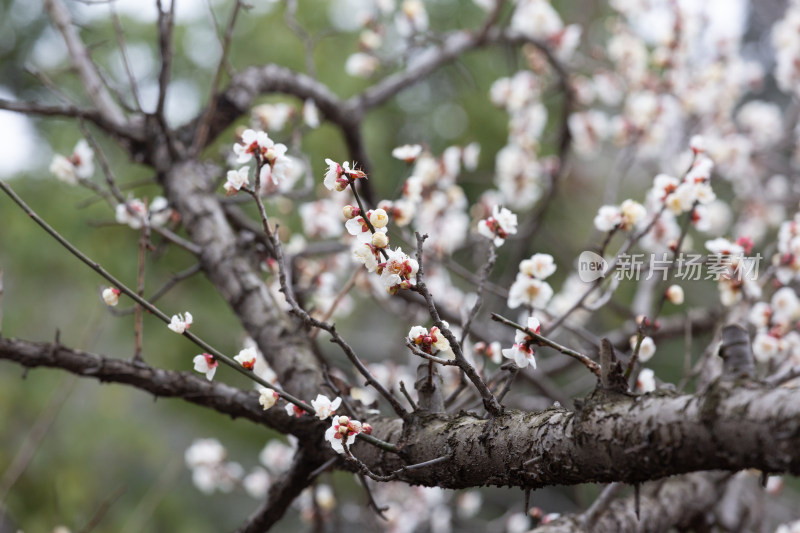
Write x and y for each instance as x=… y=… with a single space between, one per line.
x=736 y=354
x=612 y=375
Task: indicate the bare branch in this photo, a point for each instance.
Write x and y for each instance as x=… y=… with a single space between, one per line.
x=281 y=494
x=82 y=62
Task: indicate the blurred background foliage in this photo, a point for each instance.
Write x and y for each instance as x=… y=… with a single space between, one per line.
x=113 y=450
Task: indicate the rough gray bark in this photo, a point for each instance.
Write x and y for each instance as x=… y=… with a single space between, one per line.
x=633 y=440
x=189 y=187
x=677 y=502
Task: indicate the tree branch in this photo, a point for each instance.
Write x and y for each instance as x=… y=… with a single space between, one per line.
x=90 y=78
x=281 y=494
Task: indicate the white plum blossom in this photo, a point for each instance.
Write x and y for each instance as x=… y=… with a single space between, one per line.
x=522 y=351
x=722 y=246
x=608 y=218
x=247 y=358
x=674 y=294
x=134 y=212
x=647 y=348
x=361 y=65
x=646 y=382
x=397 y=269
x=111 y=296
x=529 y=291
x=492 y=350
x=78 y=166
x=180 y=322
x=257 y=483
x=411 y=18
x=357 y=227
x=277 y=456
x=293 y=410
x=499 y=225
x=539 y=266
x=765 y=347
x=204 y=451
x=205 y=363
x=267 y=397
x=431 y=342
x=342 y=429
x=633 y=213
x=324 y=407
x=311 y=114
x=536 y=19
x=272 y=117
x=367 y=255
x=253 y=143
x=760 y=315
x=131 y=213
x=785 y=305
x=407 y=152
x=236 y=179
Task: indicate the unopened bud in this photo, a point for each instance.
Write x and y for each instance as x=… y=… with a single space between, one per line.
x=111 y=296
x=366 y=428
x=342 y=184
x=380 y=240
x=350 y=211
x=379 y=218
x=675 y=294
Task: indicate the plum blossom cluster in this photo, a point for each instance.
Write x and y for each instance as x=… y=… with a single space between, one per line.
x=787 y=260
x=272 y=163
x=519 y=173
x=625 y=217
x=430 y=342
x=211 y=471
x=499 y=226
x=736 y=280
x=538 y=20
x=339 y=176
x=376 y=19
x=431 y=201
x=529 y=288
x=343 y=431
x=135 y=212
x=78 y=166
x=521 y=352
x=777 y=340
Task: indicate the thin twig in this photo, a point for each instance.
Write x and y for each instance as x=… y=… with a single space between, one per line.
x=144 y=303
x=123 y=49
x=416 y=351
x=601 y=504
x=35 y=437
x=302 y=313
x=81 y=60
x=414 y=406
x=371 y=503
x=144 y=243
x=203 y=128
x=490 y=402
x=102 y=510
x=364 y=469
x=337 y=300
x=544 y=341
x=485 y=271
